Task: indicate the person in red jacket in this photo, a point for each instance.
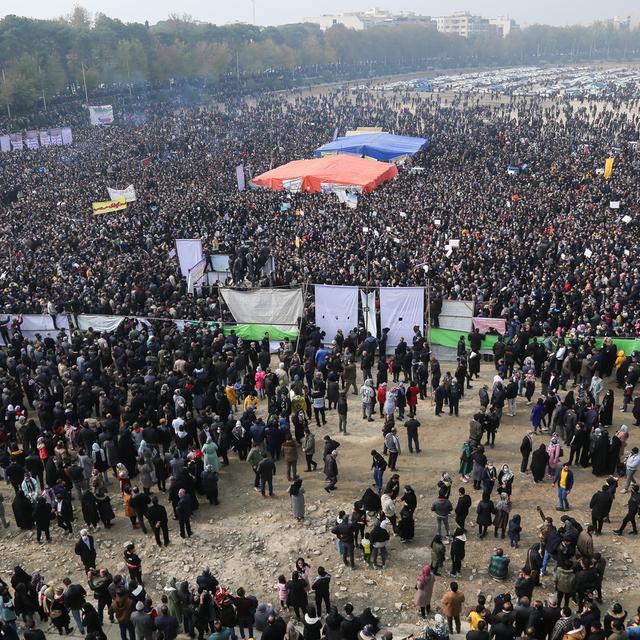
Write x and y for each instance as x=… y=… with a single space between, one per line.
x=381 y=397
x=412 y=397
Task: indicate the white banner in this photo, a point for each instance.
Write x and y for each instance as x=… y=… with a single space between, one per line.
x=401 y=308
x=265 y=306
x=16 y=141
x=5 y=143
x=368 y=301
x=189 y=254
x=240 y=177
x=32 y=140
x=55 y=136
x=40 y=324
x=67 y=136
x=98 y=323
x=196 y=274
x=45 y=138
x=129 y=194
x=102 y=114
x=336 y=308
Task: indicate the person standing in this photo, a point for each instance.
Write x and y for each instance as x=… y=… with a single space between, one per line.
x=290 y=453
x=133 y=562
x=633 y=505
x=331 y=470
x=379 y=465
x=452 y=602
x=42 y=518
x=442 y=507
x=631 y=466
x=309 y=448
x=184 y=510
x=159 y=521
x=392 y=444
x=424 y=590
x=458 y=549
x=462 y=507
x=343 y=411
x=266 y=471
x=412 y=425
x=64 y=513
x=367 y=395
x=122 y=607
x=563 y=480
x=74 y=598
x=86 y=549
x=296 y=491
x=142 y=622
x=526 y=446
x=600 y=506
x=320 y=587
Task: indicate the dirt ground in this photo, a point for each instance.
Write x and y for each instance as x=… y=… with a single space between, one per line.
x=249 y=540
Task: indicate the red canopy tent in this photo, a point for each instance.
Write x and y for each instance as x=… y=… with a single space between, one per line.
x=339 y=170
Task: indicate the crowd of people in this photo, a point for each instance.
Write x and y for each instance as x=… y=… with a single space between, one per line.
x=141 y=420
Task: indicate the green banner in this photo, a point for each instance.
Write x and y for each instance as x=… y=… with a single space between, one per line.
x=256 y=332
x=449 y=338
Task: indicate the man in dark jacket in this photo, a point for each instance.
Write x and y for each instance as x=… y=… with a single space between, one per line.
x=345 y=532
x=266 y=471
x=86 y=549
x=633 y=505
x=350 y=625
x=184 y=509
x=140 y=504
x=276 y=628
x=411 y=425
x=74 y=598
x=157 y=516
x=462 y=507
x=167 y=624
x=64 y=513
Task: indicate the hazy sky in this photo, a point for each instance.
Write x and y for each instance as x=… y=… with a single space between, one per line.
x=558 y=12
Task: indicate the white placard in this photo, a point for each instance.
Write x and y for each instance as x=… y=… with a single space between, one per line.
x=588 y=253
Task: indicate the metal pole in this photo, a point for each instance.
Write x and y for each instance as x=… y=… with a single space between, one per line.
x=428 y=312
x=4 y=82
x=237 y=65
x=44 y=100
x=84 y=81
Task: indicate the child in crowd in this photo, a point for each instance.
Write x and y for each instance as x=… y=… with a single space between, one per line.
x=514 y=530
x=283 y=593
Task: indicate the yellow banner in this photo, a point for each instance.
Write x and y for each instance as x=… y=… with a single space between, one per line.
x=111 y=205
x=608 y=168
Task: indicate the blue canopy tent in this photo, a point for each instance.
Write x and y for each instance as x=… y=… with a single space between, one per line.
x=379 y=146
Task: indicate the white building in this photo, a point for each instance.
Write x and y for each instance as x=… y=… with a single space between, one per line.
x=504 y=25
x=462 y=23
x=361 y=20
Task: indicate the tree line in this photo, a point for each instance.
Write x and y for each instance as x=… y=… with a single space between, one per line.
x=42 y=59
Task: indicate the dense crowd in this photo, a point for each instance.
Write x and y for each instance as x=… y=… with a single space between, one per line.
x=111 y=422
x=522 y=237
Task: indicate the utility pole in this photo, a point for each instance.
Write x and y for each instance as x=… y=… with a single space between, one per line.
x=44 y=100
x=84 y=81
x=238 y=65
x=4 y=82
